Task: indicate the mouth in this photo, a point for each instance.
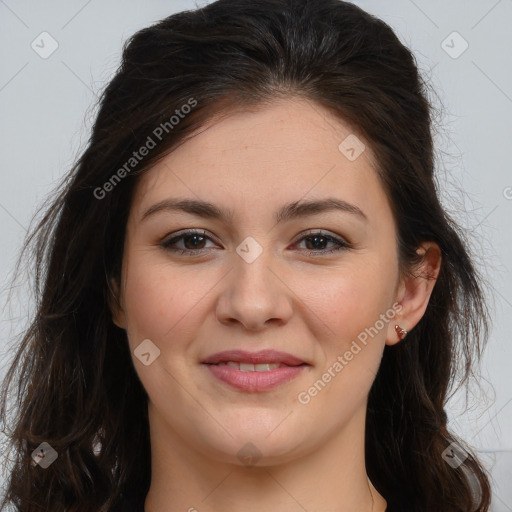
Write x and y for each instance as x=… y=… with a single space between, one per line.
x=254 y=371
x=249 y=367
x=262 y=357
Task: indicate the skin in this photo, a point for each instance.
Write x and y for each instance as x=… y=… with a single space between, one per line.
x=312 y=306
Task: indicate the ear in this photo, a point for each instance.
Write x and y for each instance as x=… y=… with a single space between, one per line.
x=118 y=316
x=414 y=291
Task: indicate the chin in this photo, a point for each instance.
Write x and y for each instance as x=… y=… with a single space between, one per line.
x=257 y=447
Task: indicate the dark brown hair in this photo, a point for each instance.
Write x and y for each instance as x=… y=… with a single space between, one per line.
x=77 y=388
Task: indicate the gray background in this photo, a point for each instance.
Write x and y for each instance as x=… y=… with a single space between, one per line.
x=46 y=106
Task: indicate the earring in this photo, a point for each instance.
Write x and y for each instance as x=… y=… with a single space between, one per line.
x=402 y=333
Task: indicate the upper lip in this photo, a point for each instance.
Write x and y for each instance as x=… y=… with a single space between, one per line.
x=262 y=356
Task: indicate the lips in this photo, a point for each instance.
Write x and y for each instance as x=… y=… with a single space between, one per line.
x=254 y=358
x=254 y=371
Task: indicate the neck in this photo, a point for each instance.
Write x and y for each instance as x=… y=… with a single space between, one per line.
x=333 y=477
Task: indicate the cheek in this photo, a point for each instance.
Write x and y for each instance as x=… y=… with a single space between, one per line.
x=351 y=305
x=159 y=300
x=348 y=299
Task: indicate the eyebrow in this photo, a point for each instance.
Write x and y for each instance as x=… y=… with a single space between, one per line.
x=287 y=212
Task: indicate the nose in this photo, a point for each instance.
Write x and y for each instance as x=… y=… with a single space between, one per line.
x=254 y=295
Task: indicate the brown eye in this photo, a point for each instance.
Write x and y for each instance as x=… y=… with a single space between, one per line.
x=193 y=242
x=316 y=243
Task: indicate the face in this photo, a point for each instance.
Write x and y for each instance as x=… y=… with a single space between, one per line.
x=318 y=284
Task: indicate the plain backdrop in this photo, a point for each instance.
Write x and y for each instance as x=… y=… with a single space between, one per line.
x=56 y=56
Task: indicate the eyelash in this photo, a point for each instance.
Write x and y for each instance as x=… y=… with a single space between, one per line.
x=342 y=245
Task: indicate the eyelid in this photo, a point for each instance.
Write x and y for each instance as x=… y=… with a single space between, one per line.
x=322 y=232
x=188 y=232
x=204 y=232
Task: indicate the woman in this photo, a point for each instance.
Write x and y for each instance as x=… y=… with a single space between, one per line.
x=250 y=295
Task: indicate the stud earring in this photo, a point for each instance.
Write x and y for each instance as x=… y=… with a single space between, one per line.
x=402 y=333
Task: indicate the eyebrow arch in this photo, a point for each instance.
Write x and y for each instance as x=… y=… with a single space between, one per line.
x=287 y=212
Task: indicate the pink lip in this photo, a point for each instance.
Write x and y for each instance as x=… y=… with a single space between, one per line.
x=262 y=356
x=255 y=381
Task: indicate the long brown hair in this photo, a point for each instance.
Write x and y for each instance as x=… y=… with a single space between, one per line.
x=77 y=388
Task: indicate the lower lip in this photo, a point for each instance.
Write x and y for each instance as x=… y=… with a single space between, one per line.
x=255 y=381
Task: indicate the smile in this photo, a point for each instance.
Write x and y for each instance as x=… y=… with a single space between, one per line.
x=249 y=367
x=253 y=378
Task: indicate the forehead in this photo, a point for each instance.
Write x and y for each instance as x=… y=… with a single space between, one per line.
x=285 y=151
